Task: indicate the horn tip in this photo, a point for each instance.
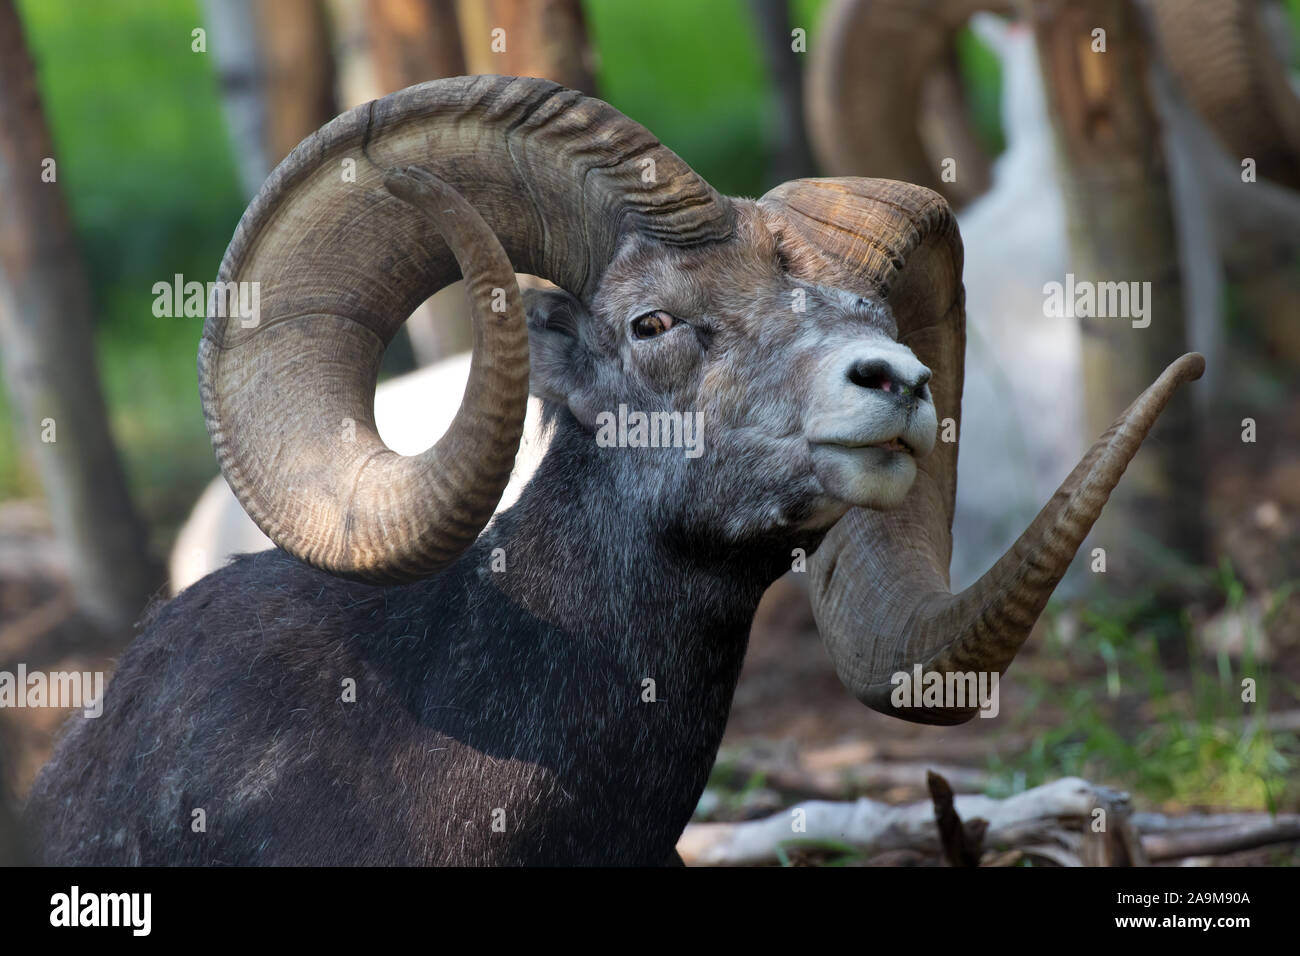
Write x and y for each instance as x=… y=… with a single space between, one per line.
x=408 y=183
x=1188 y=367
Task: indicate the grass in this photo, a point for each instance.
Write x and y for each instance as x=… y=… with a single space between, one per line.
x=1195 y=745
x=1117 y=716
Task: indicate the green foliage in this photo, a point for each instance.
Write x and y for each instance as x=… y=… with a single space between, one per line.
x=143 y=154
x=1128 y=728
x=981 y=74
x=145 y=164
x=691 y=72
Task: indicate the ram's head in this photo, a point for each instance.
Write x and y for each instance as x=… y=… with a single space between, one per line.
x=818 y=332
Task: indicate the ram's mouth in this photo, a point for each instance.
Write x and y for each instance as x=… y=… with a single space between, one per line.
x=865 y=474
x=894 y=444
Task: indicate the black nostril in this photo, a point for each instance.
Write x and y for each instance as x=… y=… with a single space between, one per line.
x=873 y=374
x=879 y=375
x=922 y=381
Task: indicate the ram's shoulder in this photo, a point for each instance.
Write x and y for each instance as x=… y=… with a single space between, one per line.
x=257 y=601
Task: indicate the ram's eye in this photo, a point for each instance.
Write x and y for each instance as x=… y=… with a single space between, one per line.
x=652 y=323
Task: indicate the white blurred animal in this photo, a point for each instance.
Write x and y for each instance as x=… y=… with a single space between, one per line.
x=411 y=412
x=1023 y=432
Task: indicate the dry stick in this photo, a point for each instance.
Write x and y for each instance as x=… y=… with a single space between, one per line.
x=1246 y=836
x=874 y=827
x=1161 y=823
x=1108 y=835
x=961 y=843
x=1052 y=822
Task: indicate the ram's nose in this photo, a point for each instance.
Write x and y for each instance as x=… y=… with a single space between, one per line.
x=905 y=382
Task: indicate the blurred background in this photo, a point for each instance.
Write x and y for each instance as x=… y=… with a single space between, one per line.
x=1169 y=154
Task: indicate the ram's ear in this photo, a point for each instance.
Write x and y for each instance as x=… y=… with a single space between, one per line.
x=563 y=363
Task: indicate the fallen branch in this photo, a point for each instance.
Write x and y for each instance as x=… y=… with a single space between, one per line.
x=1056 y=823
x=1162 y=823
x=1243 y=836
x=872 y=827
x=1109 y=838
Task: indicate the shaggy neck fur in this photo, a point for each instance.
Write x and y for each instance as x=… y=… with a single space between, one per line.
x=624 y=631
x=499 y=717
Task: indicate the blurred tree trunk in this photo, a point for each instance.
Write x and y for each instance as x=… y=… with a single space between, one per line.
x=414 y=41
x=232 y=44
x=47 y=343
x=383 y=46
x=275 y=67
x=791 y=154
x=356 y=74
x=545 y=38
x=298 y=70
x=1118 y=201
x=13 y=850
x=386 y=45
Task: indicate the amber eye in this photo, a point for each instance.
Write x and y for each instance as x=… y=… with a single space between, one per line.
x=651 y=324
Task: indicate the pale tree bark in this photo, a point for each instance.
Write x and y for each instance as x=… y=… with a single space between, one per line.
x=275 y=69
x=356 y=75
x=47 y=343
x=237 y=58
x=1117 y=195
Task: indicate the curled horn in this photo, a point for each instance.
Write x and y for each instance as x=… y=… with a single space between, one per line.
x=867 y=85
x=880 y=579
x=1221 y=53
x=384 y=206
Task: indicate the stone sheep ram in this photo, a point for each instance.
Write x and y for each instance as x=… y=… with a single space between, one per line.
x=413 y=680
